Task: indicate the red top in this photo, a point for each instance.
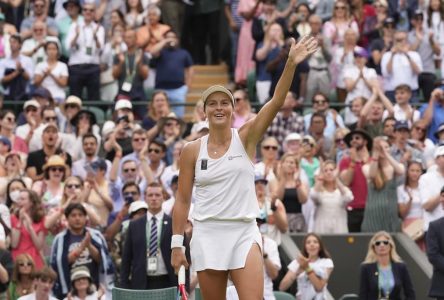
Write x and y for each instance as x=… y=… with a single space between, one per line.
x=358 y=186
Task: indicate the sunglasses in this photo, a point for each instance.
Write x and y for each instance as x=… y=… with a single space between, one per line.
x=307 y=142
x=47 y=119
x=238 y=99
x=339 y=141
x=133 y=193
x=59 y=169
x=356 y=137
x=39 y=5
x=379 y=243
x=22 y=264
x=340 y=7
x=88 y=9
x=420 y=129
x=399 y=40
x=319 y=102
x=29 y=109
x=73 y=186
x=139 y=140
x=129 y=170
x=71 y=106
x=274 y=148
x=157 y=151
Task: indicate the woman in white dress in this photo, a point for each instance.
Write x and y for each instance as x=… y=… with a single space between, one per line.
x=312 y=269
x=330 y=196
x=226 y=240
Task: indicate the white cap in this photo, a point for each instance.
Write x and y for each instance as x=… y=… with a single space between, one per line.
x=439 y=151
x=294 y=136
x=107 y=128
x=136 y=205
x=73 y=100
x=31 y=102
x=123 y=103
x=201 y=125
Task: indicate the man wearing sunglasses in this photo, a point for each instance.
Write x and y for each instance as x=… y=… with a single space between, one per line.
x=39 y=13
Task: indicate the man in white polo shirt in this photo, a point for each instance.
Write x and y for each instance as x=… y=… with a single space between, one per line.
x=430 y=185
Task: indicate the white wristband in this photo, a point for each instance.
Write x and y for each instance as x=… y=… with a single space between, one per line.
x=176 y=241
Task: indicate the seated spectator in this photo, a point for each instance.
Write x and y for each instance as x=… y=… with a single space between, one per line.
x=173 y=169
x=381 y=263
x=32 y=114
x=267 y=166
x=198 y=123
x=421 y=142
x=272 y=212
x=13 y=168
x=12 y=194
x=134 y=16
x=309 y=162
x=51 y=73
x=321 y=104
x=339 y=148
x=402 y=110
x=50 y=188
x=7 y=127
x=156 y=154
x=432 y=113
x=6 y=267
x=138 y=142
x=331 y=197
x=311 y=269
x=85 y=123
x=70 y=108
x=400 y=149
x=293 y=143
x=291 y=190
x=153 y=31
x=242 y=109
x=27 y=227
x=82 y=286
x=34 y=46
x=158 y=108
x=43 y=281
x=131 y=69
x=399 y=66
x=316 y=130
x=16 y=71
x=173 y=70
x=171 y=130
x=39 y=13
x=370 y=118
x=21 y=282
x=381 y=172
x=79 y=245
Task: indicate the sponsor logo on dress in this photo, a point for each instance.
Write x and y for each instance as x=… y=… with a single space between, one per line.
x=231 y=157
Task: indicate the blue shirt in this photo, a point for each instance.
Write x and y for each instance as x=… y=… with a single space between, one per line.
x=437 y=119
x=170 y=68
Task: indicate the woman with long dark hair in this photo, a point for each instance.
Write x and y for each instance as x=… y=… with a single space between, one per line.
x=311 y=269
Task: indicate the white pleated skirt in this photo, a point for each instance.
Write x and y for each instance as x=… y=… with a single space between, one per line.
x=222 y=245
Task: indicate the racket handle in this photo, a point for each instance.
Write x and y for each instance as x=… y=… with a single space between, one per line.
x=182 y=275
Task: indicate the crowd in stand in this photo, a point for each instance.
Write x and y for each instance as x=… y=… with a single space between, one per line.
x=85 y=205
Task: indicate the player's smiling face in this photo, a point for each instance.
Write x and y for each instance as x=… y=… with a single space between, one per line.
x=219 y=108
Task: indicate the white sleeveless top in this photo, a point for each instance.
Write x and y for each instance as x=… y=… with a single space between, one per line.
x=225 y=186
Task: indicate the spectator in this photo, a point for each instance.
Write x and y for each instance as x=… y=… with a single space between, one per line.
x=71 y=107
x=293 y=143
x=272 y=212
x=341 y=21
x=321 y=105
x=272 y=262
x=435 y=253
x=432 y=113
x=171 y=130
x=339 y=148
x=134 y=16
x=16 y=70
x=292 y=191
x=90 y=149
x=381 y=172
x=331 y=197
x=84 y=123
x=374 y=25
x=402 y=12
x=389 y=129
x=13 y=167
x=78 y=246
x=158 y=108
x=174 y=70
x=242 y=109
x=400 y=150
x=324 y=9
x=85 y=40
x=27 y=227
x=4 y=37
x=402 y=110
x=371 y=115
x=38 y=14
x=172 y=170
x=298 y=21
x=316 y=130
x=423 y=41
x=156 y=154
x=82 y=286
x=235 y=22
x=311 y=269
x=286 y=121
x=34 y=46
x=153 y=31
x=352 y=175
x=7 y=127
x=363 y=14
x=381 y=44
x=430 y=185
x=6 y=271
x=43 y=281
x=138 y=141
x=51 y=73
x=150 y=268
x=269 y=159
x=383 y=264
x=73 y=9
x=420 y=141
x=12 y=194
x=21 y=282
x=318 y=79
x=399 y=66
x=309 y=162
x=33 y=119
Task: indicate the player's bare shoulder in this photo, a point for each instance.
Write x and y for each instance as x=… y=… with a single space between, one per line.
x=190 y=152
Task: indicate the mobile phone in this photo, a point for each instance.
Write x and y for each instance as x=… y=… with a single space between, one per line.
x=128 y=198
x=89 y=169
x=123 y=119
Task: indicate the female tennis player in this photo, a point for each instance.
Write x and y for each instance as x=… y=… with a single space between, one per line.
x=226 y=240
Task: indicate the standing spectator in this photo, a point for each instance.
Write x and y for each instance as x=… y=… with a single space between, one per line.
x=400 y=65
x=311 y=269
x=134 y=14
x=242 y=109
x=33 y=47
x=432 y=113
x=286 y=121
x=341 y=20
x=383 y=265
x=324 y=142
x=381 y=171
x=298 y=20
x=174 y=70
x=39 y=13
x=318 y=79
x=381 y=44
x=420 y=141
x=90 y=148
x=70 y=108
x=7 y=128
x=402 y=110
x=331 y=197
x=171 y=130
x=131 y=69
x=76 y=246
x=146 y=255
x=52 y=74
x=44 y=280
x=16 y=71
x=435 y=253
x=20 y=283
x=27 y=227
x=400 y=149
x=73 y=9
x=235 y=23
x=85 y=40
x=309 y=162
x=153 y=31
x=430 y=185
x=158 y=108
x=423 y=41
x=267 y=166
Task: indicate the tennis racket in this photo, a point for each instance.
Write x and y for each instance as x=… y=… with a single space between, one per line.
x=181 y=292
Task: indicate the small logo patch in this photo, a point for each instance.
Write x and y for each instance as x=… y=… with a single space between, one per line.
x=231 y=157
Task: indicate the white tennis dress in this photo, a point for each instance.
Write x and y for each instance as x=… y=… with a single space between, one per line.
x=225 y=208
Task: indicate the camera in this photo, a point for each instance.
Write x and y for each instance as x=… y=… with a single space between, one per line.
x=128 y=198
x=123 y=119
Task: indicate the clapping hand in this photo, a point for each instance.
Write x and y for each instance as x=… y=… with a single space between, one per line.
x=303 y=262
